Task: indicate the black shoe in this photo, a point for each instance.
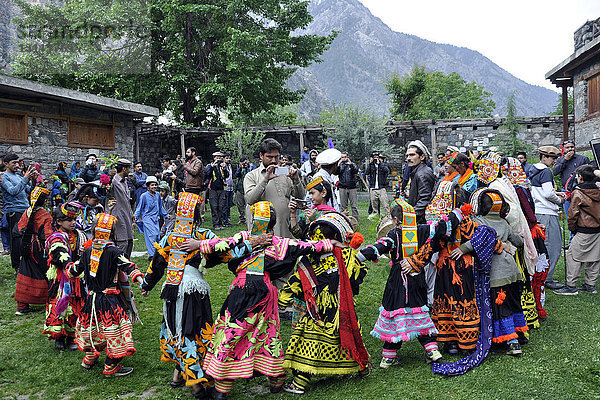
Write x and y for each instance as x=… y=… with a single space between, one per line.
x=71 y=345
x=587 y=288
x=176 y=384
x=25 y=311
x=275 y=390
x=227 y=225
x=451 y=348
x=122 y=371
x=286 y=315
x=219 y=395
x=202 y=394
x=59 y=344
x=554 y=285
x=514 y=349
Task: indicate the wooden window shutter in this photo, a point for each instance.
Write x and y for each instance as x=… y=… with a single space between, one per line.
x=97 y=134
x=13 y=128
x=594 y=94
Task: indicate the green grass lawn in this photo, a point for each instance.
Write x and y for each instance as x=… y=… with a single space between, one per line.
x=561 y=360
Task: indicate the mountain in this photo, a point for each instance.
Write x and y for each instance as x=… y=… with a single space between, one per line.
x=364 y=54
x=366 y=51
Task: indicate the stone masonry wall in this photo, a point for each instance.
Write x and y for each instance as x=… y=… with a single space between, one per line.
x=475 y=134
x=586 y=127
x=47 y=138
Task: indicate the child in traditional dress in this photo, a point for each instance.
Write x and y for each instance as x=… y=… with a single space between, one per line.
x=506 y=280
x=246 y=339
x=326 y=339
x=403 y=314
x=104 y=322
x=90 y=195
x=34 y=227
x=187 y=324
x=65 y=299
x=149 y=209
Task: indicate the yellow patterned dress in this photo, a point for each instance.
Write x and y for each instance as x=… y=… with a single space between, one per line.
x=315 y=346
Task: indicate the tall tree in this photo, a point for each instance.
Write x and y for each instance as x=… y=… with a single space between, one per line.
x=195 y=59
x=508 y=141
x=240 y=143
x=357 y=131
x=434 y=95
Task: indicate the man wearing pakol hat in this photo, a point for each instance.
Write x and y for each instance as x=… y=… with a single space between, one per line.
x=547 y=205
x=216 y=175
x=77 y=183
x=422 y=179
x=377 y=172
x=122 y=207
x=15 y=193
x=328 y=161
x=149 y=209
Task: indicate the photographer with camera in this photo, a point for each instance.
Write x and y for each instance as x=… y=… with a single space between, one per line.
x=348 y=189
x=217 y=174
x=238 y=196
x=377 y=172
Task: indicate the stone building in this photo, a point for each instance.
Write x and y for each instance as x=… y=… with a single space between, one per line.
x=474 y=134
x=581 y=71
x=49 y=124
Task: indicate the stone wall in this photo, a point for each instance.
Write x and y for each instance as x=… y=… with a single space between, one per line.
x=47 y=138
x=474 y=134
x=587 y=126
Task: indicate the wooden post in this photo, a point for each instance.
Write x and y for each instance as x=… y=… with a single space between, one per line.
x=565 y=112
x=182 y=141
x=137 y=143
x=301 y=141
x=433 y=143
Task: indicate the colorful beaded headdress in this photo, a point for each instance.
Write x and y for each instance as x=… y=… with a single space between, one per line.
x=410 y=243
x=314 y=182
x=338 y=221
x=104 y=225
x=36 y=193
x=71 y=209
x=514 y=172
x=261 y=216
x=497 y=200
x=442 y=203
x=182 y=231
x=451 y=157
x=488 y=168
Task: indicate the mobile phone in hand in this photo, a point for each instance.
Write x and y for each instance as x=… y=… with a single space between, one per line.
x=282 y=170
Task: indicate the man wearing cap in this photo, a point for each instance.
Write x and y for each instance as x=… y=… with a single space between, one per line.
x=422 y=179
x=149 y=209
x=77 y=182
x=229 y=186
x=328 y=161
x=15 y=193
x=122 y=207
x=170 y=205
x=547 y=205
x=216 y=175
x=262 y=184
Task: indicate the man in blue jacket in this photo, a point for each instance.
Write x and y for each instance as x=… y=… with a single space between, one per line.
x=566 y=166
x=15 y=192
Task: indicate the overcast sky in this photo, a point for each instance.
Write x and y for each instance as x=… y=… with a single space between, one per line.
x=525 y=37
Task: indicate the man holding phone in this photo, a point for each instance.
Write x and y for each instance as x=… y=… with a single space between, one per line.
x=267 y=183
x=264 y=184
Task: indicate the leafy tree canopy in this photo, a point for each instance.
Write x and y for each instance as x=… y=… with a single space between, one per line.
x=423 y=94
x=240 y=143
x=357 y=131
x=190 y=58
